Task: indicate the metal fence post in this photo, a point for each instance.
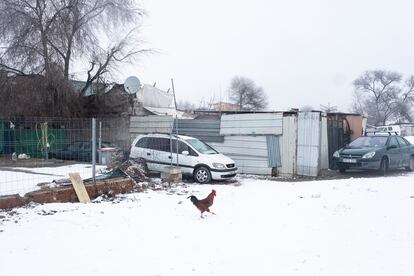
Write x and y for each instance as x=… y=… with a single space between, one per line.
x=100 y=143
x=176 y=118
x=94 y=149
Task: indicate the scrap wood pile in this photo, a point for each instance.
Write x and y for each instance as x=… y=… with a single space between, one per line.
x=120 y=167
x=135 y=169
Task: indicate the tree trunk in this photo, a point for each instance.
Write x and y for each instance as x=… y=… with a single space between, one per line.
x=240 y=102
x=66 y=66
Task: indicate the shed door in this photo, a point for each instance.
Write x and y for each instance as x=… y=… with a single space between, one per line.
x=273 y=151
x=308 y=143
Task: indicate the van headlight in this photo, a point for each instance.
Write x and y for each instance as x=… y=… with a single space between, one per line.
x=336 y=154
x=369 y=155
x=218 y=166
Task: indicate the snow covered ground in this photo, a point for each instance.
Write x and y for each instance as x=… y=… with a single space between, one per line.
x=21 y=180
x=357 y=226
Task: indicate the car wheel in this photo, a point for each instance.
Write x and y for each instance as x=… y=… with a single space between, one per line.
x=383 y=166
x=410 y=166
x=202 y=175
x=342 y=170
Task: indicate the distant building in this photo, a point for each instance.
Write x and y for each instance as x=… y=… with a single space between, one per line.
x=223 y=106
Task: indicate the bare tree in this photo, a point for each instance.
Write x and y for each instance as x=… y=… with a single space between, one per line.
x=247 y=95
x=25 y=28
x=382 y=96
x=83 y=20
x=104 y=62
x=45 y=36
x=186 y=106
x=36 y=33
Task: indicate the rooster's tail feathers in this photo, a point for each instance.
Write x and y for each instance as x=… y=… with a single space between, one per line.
x=193 y=199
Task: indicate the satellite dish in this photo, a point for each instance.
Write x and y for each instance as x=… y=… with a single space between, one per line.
x=132 y=85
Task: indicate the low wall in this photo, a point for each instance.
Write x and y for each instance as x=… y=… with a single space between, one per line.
x=67 y=193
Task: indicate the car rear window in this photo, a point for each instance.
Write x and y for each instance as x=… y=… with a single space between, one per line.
x=369 y=142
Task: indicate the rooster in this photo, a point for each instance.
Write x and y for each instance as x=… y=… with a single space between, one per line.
x=204 y=204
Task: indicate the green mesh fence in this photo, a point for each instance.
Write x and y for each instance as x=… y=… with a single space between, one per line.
x=31 y=141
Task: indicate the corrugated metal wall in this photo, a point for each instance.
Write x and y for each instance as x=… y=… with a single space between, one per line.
x=324 y=149
x=249 y=152
x=150 y=124
x=308 y=147
x=252 y=124
x=205 y=130
x=288 y=146
x=295 y=143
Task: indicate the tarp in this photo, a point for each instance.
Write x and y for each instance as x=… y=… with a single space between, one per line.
x=151 y=96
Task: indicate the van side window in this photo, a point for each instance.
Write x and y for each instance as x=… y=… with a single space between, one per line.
x=182 y=147
x=161 y=144
x=192 y=152
x=142 y=143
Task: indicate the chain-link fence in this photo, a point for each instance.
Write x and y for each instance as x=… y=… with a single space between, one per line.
x=41 y=151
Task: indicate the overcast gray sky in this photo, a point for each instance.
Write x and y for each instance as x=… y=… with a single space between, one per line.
x=302 y=52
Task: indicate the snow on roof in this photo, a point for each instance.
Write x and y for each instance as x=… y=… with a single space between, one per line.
x=165 y=111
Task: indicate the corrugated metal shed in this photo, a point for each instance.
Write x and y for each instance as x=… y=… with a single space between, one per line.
x=249 y=152
x=150 y=124
x=252 y=124
x=308 y=143
x=205 y=130
x=295 y=143
x=288 y=148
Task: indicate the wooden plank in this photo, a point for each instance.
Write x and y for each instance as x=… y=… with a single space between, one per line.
x=79 y=188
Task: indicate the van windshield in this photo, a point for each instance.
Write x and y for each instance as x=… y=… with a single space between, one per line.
x=201 y=147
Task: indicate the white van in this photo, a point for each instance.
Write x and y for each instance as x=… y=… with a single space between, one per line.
x=195 y=157
x=389 y=129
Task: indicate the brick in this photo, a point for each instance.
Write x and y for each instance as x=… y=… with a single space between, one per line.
x=12 y=201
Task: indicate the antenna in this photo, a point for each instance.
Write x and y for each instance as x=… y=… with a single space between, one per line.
x=329 y=108
x=132 y=85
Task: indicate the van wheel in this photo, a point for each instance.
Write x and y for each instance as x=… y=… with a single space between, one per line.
x=202 y=175
x=410 y=166
x=383 y=169
x=342 y=169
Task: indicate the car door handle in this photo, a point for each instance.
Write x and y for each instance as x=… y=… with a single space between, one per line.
x=148 y=153
x=169 y=157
